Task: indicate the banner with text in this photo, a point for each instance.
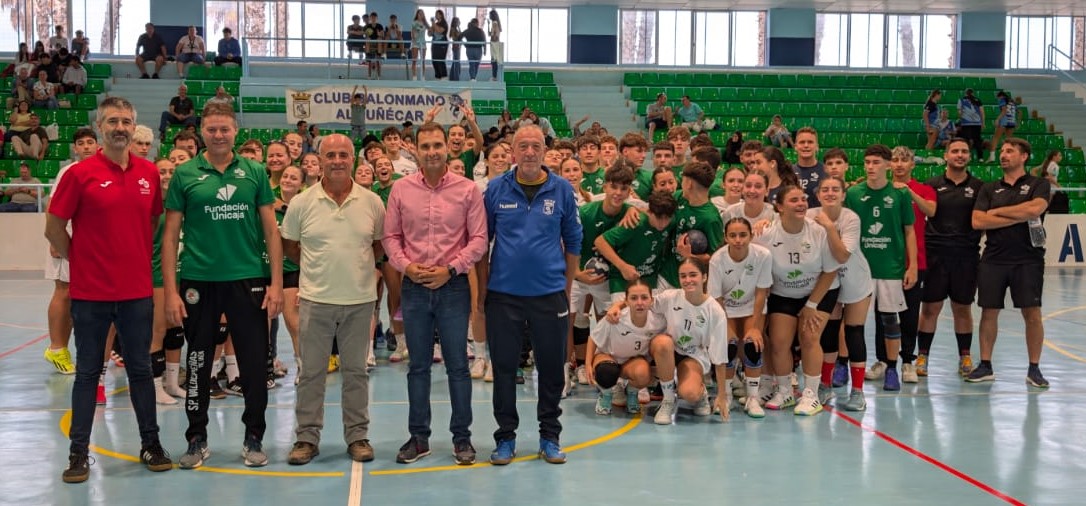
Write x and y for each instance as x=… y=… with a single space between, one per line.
x=386 y=106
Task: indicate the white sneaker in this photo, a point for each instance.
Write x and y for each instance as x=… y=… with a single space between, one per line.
x=478 y=368
x=174 y=390
x=489 y=376
x=808 y=404
x=876 y=371
x=400 y=354
x=665 y=415
x=643 y=396
x=702 y=407
x=582 y=375
x=754 y=408
x=161 y=397
x=437 y=354
x=765 y=391
x=908 y=373
x=780 y=400
x=618 y=392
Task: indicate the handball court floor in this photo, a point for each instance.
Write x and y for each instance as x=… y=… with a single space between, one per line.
x=941 y=441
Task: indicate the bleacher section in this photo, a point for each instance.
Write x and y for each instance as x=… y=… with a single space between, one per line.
x=537 y=91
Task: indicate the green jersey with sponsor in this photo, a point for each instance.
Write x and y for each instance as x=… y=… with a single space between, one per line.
x=288 y=264
x=224 y=238
x=592 y=182
x=383 y=191
x=642 y=184
x=705 y=218
x=884 y=214
x=595 y=222
x=641 y=247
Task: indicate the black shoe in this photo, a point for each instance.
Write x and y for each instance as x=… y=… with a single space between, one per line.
x=414 y=449
x=78 y=468
x=155 y=458
x=155 y=76
x=145 y=76
x=216 y=390
x=234 y=388
x=390 y=340
x=464 y=453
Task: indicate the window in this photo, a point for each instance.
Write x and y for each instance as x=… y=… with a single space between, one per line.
x=892 y=40
x=902 y=41
x=749 y=39
x=712 y=42
x=551 y=40
x=865 y=40
x=529 y=35
x=683 y=38
x=323 y=26
x=675 y=38
x=940 y=43
x=638 y=32
x=831 y=40
x=1029 y=38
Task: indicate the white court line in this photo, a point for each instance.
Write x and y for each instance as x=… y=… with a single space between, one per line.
x=354 y=498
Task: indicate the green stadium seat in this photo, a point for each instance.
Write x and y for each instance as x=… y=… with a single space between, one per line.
x=1077 y=206
x=95 y=86
x=549 y=93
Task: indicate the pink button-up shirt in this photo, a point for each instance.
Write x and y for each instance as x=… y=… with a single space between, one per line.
x=438 y=226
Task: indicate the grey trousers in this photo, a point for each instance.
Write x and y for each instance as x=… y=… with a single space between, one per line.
x=318 y=325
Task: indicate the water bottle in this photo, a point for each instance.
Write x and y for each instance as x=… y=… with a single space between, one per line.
x=1036 y=232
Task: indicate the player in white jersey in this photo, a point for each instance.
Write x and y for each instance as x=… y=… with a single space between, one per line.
x=842 y=228
x=754 y=206
x=803 y=295
x=619 y=351
x=740 y=275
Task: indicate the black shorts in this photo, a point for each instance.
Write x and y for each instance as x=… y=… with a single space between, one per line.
x=792 y=306
x=953 y=276
x=150 y=56
x=290 y=279
x=373 y=57
x=659 y=122
x=1025 y=281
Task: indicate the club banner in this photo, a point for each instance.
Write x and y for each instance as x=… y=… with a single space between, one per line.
x=387 y=106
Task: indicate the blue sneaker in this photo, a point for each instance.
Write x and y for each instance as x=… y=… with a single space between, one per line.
x=504 y=453
x=551 y=452
x=840 y=375
x=891 y=383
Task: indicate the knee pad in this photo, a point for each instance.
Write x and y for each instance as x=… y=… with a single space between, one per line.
x=733 y=352
x=221 y=336
x=158 y=363
x=857 y=347
x=891 y=326
x=175 y=339
x=830 y=341
x=752 y=357
x=607 y=374
x=580 y=336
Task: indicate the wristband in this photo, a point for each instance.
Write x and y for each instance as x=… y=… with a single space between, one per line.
x=811 y=304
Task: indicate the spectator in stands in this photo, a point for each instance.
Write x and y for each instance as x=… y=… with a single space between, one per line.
x=33 y=142
x=150 y=47
x=658 y=115
x=1005 y=122
x=22 y=59
x=475 y=38
x=23 y=199
x=731 y=148
x=496 y=48
x=374 y=33
x=80 y=46
x=529 y=117
x=182 y=111
x=22 y=84
x=690 y=114
x=439 y=33
x=58 y=41
x=221 y=95
x=393 y=34
x=44 y=93
x=359 y=101
x=778 y=134
x=39 y=50
x=190 y=49
x=75 y=77
x=946 y=129
x=20 y=120
x=456 y=35
x=356 y=35
x=971 y=118
x=931 y=118
x=229 y=49
x=47 y=63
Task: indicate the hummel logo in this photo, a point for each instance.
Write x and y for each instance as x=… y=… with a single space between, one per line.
x=226 y=192
x=106 y=184
x=201 y=178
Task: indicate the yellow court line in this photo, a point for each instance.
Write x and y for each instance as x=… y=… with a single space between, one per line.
x=66 y=424
x=1057 y=348
x=579 y=446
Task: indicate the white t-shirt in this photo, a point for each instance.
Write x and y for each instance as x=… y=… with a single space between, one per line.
x=624 y=340
x=798 y=259
x=736 y=211
x=736 y=282
x=700 y=332
x=404 y=167
x=854 y=275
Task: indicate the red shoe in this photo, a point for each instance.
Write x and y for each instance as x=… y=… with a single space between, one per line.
x=101 y=398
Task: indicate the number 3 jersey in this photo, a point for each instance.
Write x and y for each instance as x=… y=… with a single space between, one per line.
x=700 y=331
x=798 y=259
x=624 y=340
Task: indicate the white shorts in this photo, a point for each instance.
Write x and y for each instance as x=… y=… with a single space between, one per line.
x=854 y=286
x=56 y=269
x=601 y=296
x=890 y=296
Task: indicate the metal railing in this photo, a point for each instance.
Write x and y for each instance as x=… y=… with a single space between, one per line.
x=43 y=192
x=1055 y=56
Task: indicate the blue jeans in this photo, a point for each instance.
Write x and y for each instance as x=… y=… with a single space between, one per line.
x=91 y=321
x=444 y=311
x=454 y=69
x=475 y=53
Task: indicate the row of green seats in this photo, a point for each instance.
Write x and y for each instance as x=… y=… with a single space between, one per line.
x=827 y=109
x=93 y=87
x=532 y=93
x=43 y=170
x=920 y=82
x=57 y=150
x=214 y=73
x=730 y=94
x=211 y=87
x=529 y=77
x=61 y=117
x=541 y=107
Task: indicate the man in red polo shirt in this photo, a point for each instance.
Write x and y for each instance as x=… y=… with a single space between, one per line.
x=119 y=192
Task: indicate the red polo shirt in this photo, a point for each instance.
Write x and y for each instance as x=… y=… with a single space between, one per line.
x=927 y=193
x=112 y=213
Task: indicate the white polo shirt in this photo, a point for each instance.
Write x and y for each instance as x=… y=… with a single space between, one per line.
x=337 y=244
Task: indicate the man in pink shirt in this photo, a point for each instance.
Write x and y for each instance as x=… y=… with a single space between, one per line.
x=435 y=230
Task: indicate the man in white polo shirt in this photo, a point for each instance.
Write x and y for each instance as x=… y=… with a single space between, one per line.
x=334 y=231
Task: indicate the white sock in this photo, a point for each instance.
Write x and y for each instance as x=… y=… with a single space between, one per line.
x=231 y=367
x=784 y=385
x=811 y=382
x=480 y=349
x=216 y=366
x=726 y=386
x=401 y=342
x=173 y=369
x=668 y=388
x=753 y=385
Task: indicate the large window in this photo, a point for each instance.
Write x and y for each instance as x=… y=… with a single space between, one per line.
x=683 y=38
x=1029 y=38
x=885 y=40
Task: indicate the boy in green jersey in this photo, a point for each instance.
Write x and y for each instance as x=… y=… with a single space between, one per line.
x=886 y=239
x=588 y=151
x=694 y=211
x=636 y=252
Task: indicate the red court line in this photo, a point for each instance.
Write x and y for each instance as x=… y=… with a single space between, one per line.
x=926 y=458
x=24 y=345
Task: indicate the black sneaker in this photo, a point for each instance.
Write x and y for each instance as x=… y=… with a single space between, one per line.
x=980 y=373
x=155 y=458
x=78 y=468
x=464 y=453
x=414 y=449
x=234 y=388
x=145 y=76
x=1035 y=379
x=216 y=390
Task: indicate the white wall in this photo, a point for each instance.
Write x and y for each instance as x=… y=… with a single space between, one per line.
x=22 y=241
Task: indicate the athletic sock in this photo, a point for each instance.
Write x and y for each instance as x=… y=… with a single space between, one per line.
x=857 y=373
x=216 y=366
x=987 y=363
x=102 y=375
x=232 y=372
x=784 y=385
x=827 y=373
x=173 y=370
x=753 y=385
x=668 y=388
x=924 y=340
x=965 y=342
x=810 y=382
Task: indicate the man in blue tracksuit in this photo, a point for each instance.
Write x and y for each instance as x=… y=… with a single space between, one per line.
x=536 y=235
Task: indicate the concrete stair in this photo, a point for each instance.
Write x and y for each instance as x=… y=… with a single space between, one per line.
x=599 y=95
x=1052 y=99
